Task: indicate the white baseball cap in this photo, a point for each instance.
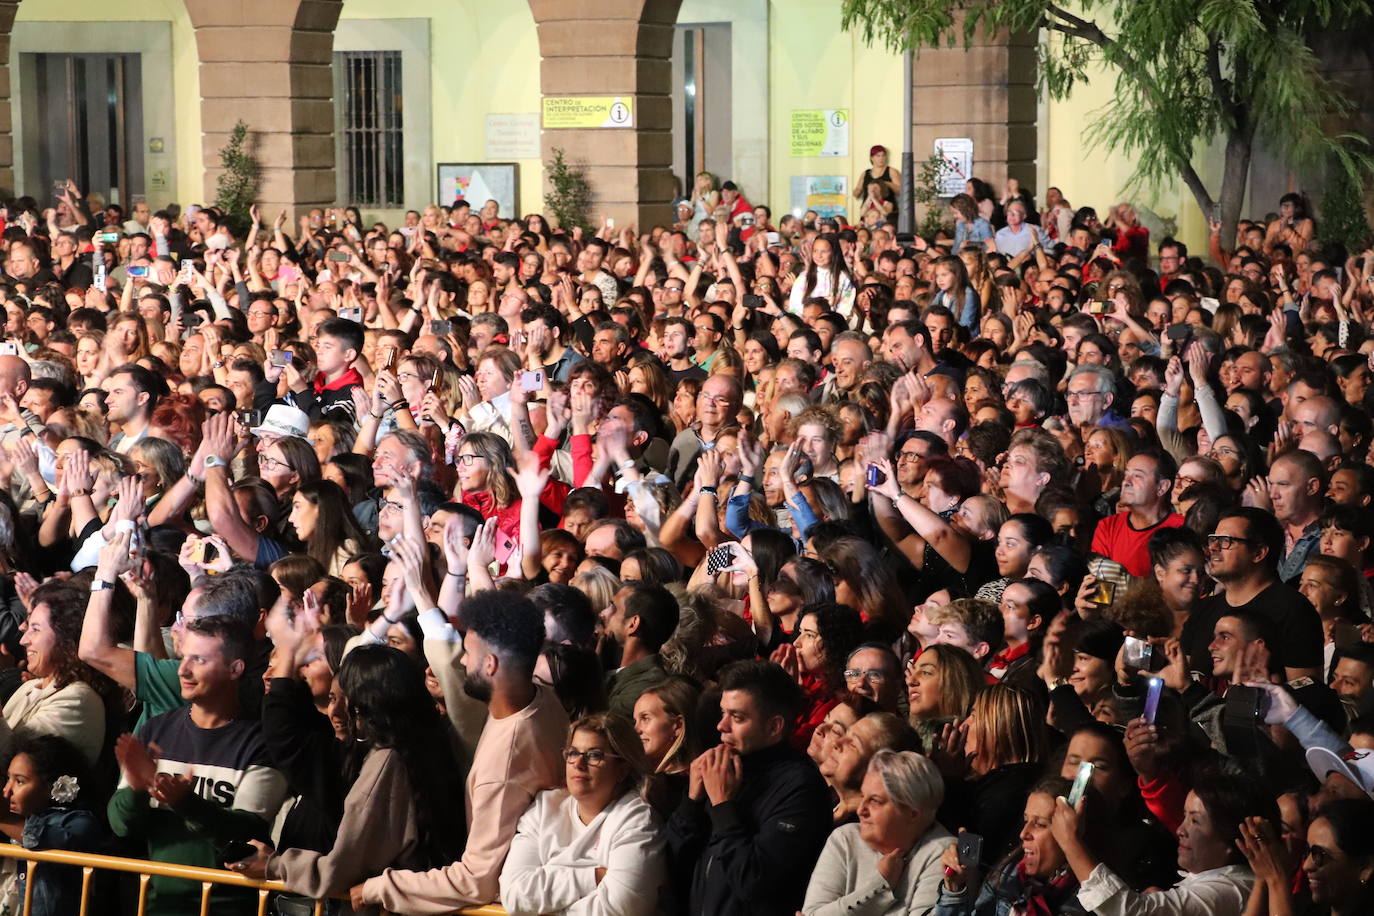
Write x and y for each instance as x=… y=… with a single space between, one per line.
x=1356 y=766
x=283 y=420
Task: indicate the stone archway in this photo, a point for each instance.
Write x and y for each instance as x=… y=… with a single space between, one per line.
x=268 y=62
x=8 y=9
x=614 y=48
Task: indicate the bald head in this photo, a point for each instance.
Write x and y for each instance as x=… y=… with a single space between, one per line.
x=1313 y=414
x=14 y=376
x=1324 y=445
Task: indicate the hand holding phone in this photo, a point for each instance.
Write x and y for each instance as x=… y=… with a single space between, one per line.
x=970 y=846
x=719 y=558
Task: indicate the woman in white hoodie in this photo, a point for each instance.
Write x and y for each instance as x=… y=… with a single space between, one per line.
x=595 y=848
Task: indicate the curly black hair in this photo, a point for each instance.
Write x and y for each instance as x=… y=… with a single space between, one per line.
x=507 y=622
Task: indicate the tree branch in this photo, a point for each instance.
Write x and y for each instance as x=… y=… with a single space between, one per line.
x=1075 y=26
x=1224 y=90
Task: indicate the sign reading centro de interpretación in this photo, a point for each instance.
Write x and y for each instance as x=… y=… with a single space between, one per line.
x=564 y=111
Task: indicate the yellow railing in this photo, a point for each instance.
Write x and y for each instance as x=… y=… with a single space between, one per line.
x=146 y=870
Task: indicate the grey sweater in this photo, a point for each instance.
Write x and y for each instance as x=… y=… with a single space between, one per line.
x=846 y=882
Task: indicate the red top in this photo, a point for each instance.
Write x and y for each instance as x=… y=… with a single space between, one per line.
x=1116 y=540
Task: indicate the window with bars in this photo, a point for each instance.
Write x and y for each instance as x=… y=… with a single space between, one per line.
x=371 y=152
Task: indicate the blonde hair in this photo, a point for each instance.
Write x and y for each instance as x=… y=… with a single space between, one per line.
x=599 y=584
x=1009 y=726
x=620 y=735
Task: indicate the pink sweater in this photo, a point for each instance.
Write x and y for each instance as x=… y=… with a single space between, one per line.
x=517 y=757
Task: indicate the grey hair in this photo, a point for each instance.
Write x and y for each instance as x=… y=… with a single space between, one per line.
x=417 y=449
x=794 y=404
x=1106 y=381
x=910 y=779
x=44 y=368
x=1286 y=357
x=1039 y=371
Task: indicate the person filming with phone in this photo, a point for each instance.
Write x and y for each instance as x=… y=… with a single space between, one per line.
x=1033 y=878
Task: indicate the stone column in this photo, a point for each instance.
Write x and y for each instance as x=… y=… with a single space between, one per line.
x=986 y=93
x=8 y=8
x=614 y=48
x=267 y=63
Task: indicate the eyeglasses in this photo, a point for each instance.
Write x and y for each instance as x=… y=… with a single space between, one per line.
x=909 y=457
x=594 y=757
x=407 y=377
x=1184 y=483
x=268 y=461
x=389 y=505
x=467 y=460
x=1080 y=395
x=1225 y=541
x=872 y=675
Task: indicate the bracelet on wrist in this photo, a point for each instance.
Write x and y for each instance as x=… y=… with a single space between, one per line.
x=747 y=478
x=399 y=402
x=375 y=416
x=707 y=490
x=458 y=575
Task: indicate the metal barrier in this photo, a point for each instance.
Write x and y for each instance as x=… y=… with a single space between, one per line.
x=146 y=870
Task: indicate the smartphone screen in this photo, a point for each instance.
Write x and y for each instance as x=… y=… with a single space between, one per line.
x=1152 y=693
x=1080 y=783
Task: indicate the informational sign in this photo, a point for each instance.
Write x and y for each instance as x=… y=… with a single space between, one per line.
x=512 y=136
x=820 y=132
x=564 y=111
x=828 y=195
x=958 y=155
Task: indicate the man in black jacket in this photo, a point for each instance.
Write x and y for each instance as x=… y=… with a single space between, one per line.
x=757 y=811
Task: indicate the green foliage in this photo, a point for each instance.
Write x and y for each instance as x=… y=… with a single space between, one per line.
x=926 y=193
x=237 y=187
x=1186 y=72
x=569 y=194
x=1343 y=217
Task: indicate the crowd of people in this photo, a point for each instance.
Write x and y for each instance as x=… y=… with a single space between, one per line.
x=720 y=567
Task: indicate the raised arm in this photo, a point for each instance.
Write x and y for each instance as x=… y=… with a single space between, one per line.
x=97 y=646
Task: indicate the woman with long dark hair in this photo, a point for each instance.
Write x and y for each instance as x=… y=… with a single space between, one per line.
x=825 y=636
x=405 y=807
x=826 y=277
x=324 y=522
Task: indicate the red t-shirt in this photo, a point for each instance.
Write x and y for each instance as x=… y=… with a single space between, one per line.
x=1116 y=540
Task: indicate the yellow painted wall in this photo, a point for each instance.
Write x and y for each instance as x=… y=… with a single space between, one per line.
x=486 y=61
x=814 y=63
x=185 y=68
x=1096 y=176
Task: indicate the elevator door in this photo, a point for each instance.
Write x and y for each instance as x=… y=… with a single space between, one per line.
x=90 y=124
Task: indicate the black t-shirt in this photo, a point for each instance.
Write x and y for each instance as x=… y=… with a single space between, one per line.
x=677 y=376
x=1295 y=639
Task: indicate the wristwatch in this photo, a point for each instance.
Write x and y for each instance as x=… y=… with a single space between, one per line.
x=215 y=461
x=100 y=585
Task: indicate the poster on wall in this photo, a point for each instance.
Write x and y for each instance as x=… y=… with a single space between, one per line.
x=958 y=155
x=512 y=136
x=479 y=182
x=828 y=195
x=820 y=132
